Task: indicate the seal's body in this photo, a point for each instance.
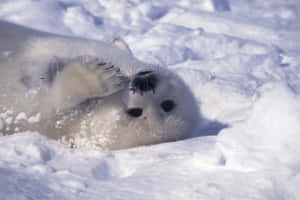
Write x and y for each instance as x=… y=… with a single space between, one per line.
x=88 y=93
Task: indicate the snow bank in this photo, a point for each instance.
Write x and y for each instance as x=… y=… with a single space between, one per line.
x=267 y=138
x=240 y=59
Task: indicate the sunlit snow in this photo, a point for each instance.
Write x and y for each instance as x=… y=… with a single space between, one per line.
x=241 y=60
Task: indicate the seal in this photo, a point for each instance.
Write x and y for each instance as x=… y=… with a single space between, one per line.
x=88 y=93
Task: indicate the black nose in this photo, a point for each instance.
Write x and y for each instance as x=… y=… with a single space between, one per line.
x=144 y=81
x=135 y=112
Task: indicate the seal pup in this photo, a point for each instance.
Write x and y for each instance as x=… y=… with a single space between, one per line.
x=87 y=93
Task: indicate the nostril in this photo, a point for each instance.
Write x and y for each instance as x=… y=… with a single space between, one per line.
x=135 y=112
x=144 y=83
x=142 y=73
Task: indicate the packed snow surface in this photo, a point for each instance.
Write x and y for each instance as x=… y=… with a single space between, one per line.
x=241 y=60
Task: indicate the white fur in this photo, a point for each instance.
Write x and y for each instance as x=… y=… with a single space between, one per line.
x=85 y=105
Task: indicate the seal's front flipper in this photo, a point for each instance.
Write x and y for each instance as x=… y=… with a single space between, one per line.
x=84 y=78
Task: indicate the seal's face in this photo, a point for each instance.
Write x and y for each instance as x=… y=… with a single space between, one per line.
x=159 y=105
x=152 y=92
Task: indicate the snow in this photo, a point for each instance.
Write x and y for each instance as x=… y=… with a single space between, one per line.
x=34 y=119
x=21 y=116
x=241 y=60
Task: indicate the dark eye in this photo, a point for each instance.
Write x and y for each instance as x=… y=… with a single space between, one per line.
x=167 y=105
x=135 y=112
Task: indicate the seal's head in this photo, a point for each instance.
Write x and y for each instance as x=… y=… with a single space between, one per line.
x=160 y=107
